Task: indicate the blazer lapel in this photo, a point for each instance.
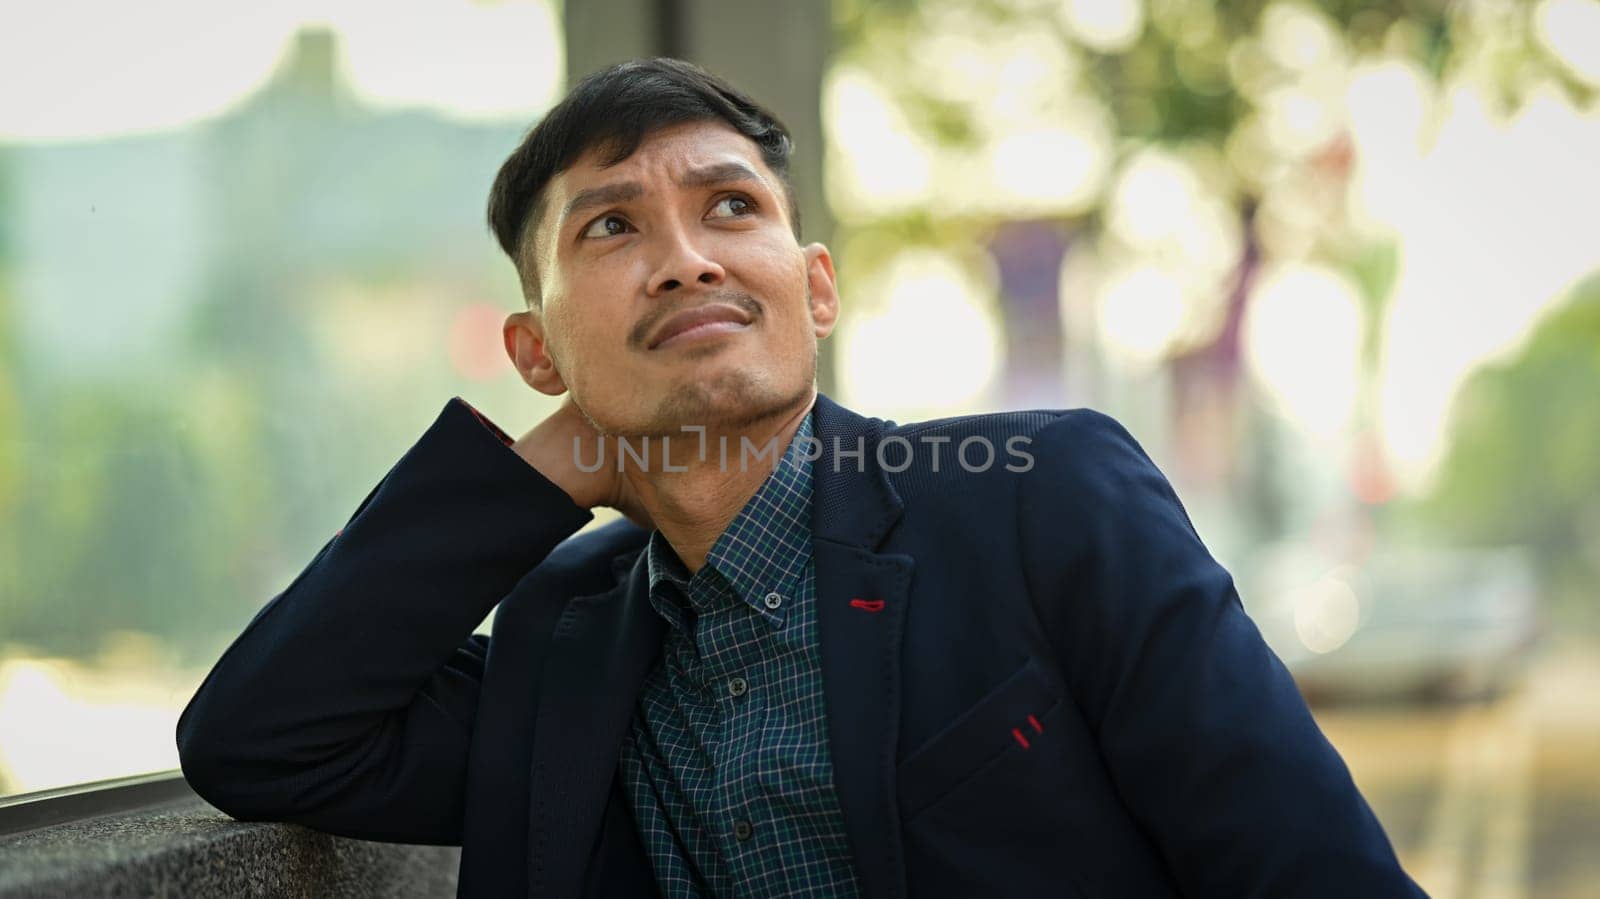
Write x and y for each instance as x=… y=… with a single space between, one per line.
x=861 y=606
x=602 y=650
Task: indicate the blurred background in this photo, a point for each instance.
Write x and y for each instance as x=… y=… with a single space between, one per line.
x=1335 y=264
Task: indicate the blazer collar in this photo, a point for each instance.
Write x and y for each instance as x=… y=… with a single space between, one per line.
x=853 y=502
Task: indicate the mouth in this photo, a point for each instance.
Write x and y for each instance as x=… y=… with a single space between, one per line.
x=701 y=332
x=701 y=323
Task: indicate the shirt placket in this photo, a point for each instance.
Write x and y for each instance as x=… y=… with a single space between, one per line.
x=734 y=681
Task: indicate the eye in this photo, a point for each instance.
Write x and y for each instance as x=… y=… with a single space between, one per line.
x=735 y=205
x=607 y=226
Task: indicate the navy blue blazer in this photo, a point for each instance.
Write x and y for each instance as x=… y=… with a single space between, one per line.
x=1038 y=681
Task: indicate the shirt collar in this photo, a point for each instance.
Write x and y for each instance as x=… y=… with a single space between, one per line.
x=764 y=549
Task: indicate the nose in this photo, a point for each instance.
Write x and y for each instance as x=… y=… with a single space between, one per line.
x=682 y=262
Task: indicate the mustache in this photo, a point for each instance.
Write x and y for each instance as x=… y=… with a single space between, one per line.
x=640 y=335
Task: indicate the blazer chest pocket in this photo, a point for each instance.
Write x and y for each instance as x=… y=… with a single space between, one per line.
x=1006 y=717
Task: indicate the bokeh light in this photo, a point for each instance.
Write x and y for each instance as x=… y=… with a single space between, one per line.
x=927 y=342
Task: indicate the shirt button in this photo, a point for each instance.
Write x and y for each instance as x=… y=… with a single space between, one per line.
x=737 y=686
x=774 y=600
x=742 y=830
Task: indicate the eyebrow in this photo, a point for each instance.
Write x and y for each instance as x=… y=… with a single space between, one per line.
x=622 y=192
x=721 y=173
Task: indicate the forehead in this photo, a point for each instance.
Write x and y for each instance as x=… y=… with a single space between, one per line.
x=660 y=156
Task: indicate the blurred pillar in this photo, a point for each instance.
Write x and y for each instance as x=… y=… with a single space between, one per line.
x=774 y=50
x=1028 y=258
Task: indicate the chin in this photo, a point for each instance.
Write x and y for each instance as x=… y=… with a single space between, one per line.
x=732 y=398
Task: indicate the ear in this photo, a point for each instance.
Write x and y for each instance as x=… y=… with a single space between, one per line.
x=824 y=289
x=525 y=344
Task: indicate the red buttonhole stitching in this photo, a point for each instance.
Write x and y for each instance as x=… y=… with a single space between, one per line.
x=871 y=605
x=493 y=428
x=1015 y=732
x=1035 y=722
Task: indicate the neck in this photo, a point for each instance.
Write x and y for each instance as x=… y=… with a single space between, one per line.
x=693 y=488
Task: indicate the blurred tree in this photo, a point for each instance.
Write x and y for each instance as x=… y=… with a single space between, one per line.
x=175 y=498
x=1186 y=76
x=1174 y=70
x=1227 y=91
x=1524 y=459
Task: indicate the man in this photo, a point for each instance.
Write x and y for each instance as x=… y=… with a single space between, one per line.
x=821 y=654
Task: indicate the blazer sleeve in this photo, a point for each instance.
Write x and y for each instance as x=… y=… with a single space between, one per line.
x=347 y=703
x=1204 y=734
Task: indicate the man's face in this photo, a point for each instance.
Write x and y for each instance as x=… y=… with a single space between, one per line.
x=673 y=290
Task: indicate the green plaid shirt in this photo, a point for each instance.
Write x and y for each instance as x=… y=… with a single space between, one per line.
x=726 y=764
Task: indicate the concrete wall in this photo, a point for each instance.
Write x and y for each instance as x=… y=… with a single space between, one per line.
x=186 y=848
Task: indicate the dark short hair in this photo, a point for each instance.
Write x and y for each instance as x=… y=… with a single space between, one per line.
x=615 y=109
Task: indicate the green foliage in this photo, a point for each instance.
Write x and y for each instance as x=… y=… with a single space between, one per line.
x=1174 y=84
x=1524 y=463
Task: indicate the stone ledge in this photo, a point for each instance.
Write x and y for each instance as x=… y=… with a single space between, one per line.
x=188 y=848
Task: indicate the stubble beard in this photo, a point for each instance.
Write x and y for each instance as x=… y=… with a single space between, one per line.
x=727 y=402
